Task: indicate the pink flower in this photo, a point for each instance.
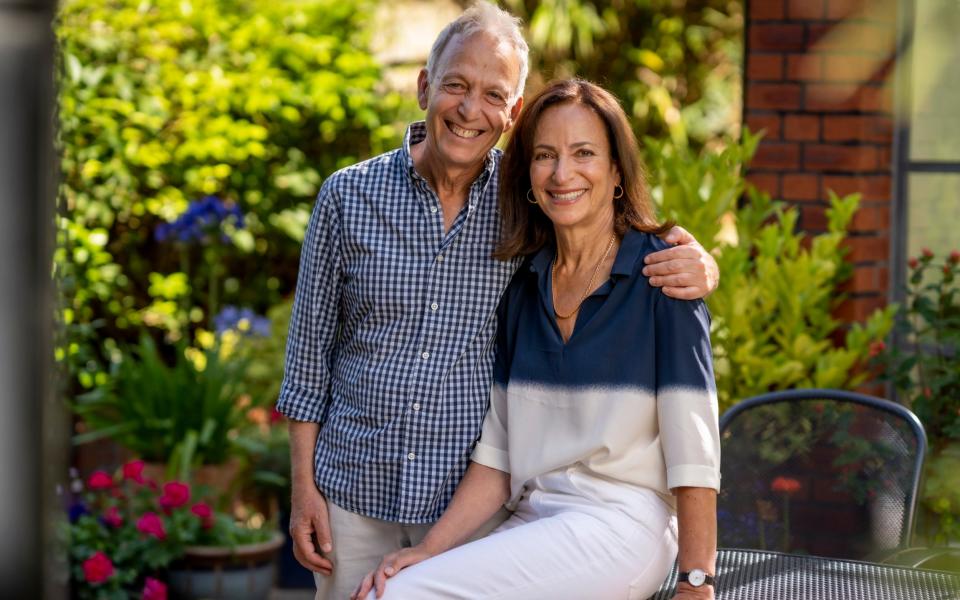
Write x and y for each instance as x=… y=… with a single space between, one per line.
x=175 y=494
x=100 y=480
x=112 y=517
x=98 y=568
x=876 y=348
x=276 y=416
x=151 y=524
x=154 y=589
x=202 y=510
x=133 y=471
x=787 y=485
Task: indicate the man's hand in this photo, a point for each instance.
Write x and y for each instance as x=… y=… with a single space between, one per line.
x=686 y=271
x=391 y=564
x=309 y=518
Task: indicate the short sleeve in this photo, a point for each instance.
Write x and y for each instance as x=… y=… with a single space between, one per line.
x=686 y=394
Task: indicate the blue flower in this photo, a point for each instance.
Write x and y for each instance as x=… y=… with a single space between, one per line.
x=77 y=510
x=202 y=222
x=243 y=320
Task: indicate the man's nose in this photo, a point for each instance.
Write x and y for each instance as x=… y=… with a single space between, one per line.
x=469 y=106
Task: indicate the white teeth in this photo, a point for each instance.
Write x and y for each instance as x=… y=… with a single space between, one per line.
x=464 y=133
x=567 y=196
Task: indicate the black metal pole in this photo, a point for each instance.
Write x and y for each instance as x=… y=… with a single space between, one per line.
x=32 y=451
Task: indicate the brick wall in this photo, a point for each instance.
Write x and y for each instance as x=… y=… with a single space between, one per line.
x=819 y=80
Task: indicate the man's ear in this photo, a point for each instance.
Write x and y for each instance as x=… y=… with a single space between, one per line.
x=514 y=113
x=423 y=88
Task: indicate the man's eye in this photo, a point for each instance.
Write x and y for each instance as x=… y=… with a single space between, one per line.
x=497 y=98
x=454 y=86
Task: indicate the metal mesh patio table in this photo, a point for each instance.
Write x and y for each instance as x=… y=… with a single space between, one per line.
x=762 y=575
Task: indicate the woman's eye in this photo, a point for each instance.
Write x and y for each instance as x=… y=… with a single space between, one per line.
x=541 y=156
x=584 y=152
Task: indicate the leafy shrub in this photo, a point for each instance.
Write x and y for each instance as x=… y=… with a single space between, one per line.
x=182 y=413
x=773 y=325
x=165 y=102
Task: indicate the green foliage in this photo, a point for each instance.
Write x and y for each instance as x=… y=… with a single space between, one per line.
x=183 y=412
x=675 y=65
x=773 y=325
x=163 y=102
x=926 y=370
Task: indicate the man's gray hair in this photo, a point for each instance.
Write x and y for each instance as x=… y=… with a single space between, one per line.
x=487 y=18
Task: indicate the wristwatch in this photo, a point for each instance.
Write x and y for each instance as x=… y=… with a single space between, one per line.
x=695 y=577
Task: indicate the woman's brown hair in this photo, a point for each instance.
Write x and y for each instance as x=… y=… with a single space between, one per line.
x=526 y=228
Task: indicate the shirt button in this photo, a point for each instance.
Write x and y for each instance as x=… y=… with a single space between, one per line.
x=439 y=258
x=416 y=406
x=425 y=355
x=433 y=209
x=434 y=306
x=411 y=456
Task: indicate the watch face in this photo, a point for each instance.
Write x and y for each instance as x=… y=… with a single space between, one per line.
x=696 y=577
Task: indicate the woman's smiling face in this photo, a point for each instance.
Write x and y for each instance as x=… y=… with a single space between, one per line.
x=572 y=172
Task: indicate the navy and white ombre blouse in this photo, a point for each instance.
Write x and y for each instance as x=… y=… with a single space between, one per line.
x=630 y=397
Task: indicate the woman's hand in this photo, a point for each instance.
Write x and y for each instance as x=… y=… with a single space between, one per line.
x=391 y=564
x=688 y=592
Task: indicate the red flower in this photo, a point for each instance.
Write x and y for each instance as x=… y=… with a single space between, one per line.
x=927 y=392
x=175 y=494
x=955 y=256
x=112 y=517
x=787 y=485
x=946 y=269
x=275 y=416
x=97 y=568
x=133 y=471
x=205 y=513
x=154 y=589
x=151 y=524
x=876 y=348
x=99 y=480
x=914 y=263
x=926 y=252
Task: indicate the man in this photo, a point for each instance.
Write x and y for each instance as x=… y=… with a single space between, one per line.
x=389 y=358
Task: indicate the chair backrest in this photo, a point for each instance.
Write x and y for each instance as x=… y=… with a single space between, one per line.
x=824 y=472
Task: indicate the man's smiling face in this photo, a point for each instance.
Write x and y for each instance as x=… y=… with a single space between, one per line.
x=469 y=99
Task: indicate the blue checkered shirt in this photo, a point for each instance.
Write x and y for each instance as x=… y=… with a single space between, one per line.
x=391 y=339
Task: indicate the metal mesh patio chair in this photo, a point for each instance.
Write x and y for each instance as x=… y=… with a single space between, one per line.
x=822 y=472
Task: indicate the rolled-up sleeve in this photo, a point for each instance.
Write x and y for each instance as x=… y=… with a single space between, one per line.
x=687 y=394
x=305 y=391
x=492 y=448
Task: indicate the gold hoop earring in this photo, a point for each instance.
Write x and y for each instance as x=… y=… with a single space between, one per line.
x=615 y=188
x=531 y=200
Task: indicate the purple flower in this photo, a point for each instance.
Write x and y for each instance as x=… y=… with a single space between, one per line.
x=243 y=320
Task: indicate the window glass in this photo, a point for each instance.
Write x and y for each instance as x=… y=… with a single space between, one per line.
x=935 y=74
x=933 y=213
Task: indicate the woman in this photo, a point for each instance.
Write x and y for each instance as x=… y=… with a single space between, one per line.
x=602 y=428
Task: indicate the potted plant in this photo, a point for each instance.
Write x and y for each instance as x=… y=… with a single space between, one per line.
x=183 y=414
x=129 y=535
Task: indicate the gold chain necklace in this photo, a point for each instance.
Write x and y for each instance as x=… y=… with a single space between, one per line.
x=589 y=287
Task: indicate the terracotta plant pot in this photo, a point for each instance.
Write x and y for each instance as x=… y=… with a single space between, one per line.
x=244 y=572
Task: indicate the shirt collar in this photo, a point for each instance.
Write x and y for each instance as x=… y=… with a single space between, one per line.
x=416 y=133
x=631 y=246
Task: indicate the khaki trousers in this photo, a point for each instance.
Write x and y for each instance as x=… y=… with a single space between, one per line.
x=359 y=543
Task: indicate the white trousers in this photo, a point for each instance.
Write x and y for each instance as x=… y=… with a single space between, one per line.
x=360 y=543
x=571 y=538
